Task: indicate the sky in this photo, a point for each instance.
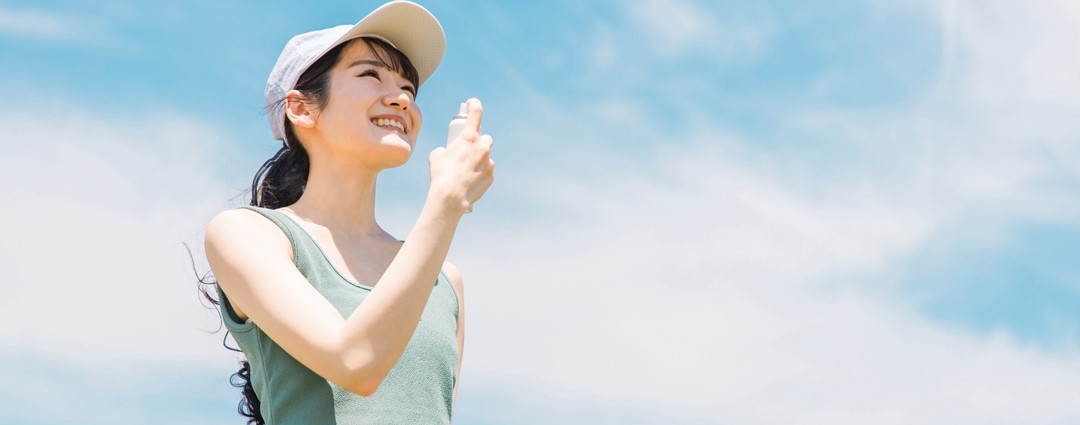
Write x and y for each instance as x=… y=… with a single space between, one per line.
x=705 y=212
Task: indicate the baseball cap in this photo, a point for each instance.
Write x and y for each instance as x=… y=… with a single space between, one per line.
x=405 y=25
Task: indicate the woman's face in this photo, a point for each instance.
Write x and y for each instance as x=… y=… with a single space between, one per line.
x=371 y=109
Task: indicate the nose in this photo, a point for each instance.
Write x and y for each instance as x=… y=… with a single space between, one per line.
x=399 y=100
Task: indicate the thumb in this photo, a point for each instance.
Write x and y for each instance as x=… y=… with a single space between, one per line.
x=435 y=153
x=475 y=114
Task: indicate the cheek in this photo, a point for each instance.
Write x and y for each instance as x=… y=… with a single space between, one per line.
x=417 y=119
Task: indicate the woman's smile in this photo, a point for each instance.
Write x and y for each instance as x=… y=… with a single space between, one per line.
x=391 y=122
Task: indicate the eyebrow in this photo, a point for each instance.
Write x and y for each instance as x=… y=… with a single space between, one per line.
x=376 y=63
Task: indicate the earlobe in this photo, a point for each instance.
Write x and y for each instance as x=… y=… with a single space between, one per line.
x=297 y=110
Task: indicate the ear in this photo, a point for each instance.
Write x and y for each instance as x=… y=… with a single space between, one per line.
x=298 y=111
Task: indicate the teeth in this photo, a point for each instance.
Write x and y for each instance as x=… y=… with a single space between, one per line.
x=384 y=122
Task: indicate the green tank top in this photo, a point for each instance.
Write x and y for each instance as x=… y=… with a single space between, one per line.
x=419 y=388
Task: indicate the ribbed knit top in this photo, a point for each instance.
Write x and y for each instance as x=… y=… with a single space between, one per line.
x=419 y=388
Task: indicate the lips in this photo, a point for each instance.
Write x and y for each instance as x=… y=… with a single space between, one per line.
x=390 y=122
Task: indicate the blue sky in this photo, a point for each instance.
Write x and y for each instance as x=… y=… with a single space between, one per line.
x=704 y=212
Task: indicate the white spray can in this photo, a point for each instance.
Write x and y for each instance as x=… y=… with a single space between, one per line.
x=457 y=124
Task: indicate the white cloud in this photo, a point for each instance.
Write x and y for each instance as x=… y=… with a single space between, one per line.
x=720 y=279
x=97 y=213
x=1014 y=54
x=994 y=136
x=36 y=24
x=675 y=28
x=695 y=298
x=709 y=294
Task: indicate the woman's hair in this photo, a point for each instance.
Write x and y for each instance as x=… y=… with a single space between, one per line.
x=282 y=178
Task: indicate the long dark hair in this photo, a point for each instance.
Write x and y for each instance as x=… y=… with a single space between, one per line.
x=281 y=180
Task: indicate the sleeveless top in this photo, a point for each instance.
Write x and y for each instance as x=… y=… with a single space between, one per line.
x=418 y=389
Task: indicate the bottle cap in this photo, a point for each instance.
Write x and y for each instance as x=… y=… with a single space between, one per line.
x=463 y=111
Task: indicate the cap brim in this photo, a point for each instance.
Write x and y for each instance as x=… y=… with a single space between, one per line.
x=409 y=28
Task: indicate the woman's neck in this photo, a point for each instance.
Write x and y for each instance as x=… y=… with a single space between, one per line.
x=341 y=197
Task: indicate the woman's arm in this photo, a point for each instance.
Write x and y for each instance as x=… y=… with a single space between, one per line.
x=252 y=261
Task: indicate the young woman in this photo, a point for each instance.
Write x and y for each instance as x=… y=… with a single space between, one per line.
x=341 y=322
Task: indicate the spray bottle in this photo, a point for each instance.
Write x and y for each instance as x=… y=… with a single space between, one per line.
x=457 y=124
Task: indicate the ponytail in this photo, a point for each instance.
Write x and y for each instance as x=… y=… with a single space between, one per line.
x=282 y=178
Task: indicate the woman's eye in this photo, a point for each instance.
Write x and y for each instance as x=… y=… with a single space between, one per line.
x=410 y=89
x=370 y=73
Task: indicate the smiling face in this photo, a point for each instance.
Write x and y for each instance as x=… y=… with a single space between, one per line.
x=370 y=113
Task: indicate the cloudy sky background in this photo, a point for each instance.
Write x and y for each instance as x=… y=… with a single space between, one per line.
x=843 y=212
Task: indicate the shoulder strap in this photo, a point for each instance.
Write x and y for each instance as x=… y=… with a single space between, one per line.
x=274 y=216
x=284 y=223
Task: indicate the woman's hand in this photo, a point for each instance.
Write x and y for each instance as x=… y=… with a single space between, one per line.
x=463 y=171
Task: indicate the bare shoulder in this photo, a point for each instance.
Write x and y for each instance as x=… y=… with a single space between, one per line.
x=242 y=218
x=236 y=235
x=231 y=225
x=246 y=252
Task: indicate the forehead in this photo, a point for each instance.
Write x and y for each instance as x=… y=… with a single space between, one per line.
x=356 y=50
x=373 y=53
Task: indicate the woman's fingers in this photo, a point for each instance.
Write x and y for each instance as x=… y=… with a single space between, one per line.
x=435 y=155
x=484 y=143
x=475 y=115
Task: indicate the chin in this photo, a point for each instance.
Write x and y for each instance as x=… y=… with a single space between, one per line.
x=396 y=152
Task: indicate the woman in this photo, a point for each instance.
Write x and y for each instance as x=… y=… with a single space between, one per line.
x=340 y=321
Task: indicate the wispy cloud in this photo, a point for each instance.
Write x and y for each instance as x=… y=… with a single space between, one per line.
x=98 y=390
x=704 y=287
x=721 y=276
x=103 y=209
x=38 y=24
x=677 y=28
